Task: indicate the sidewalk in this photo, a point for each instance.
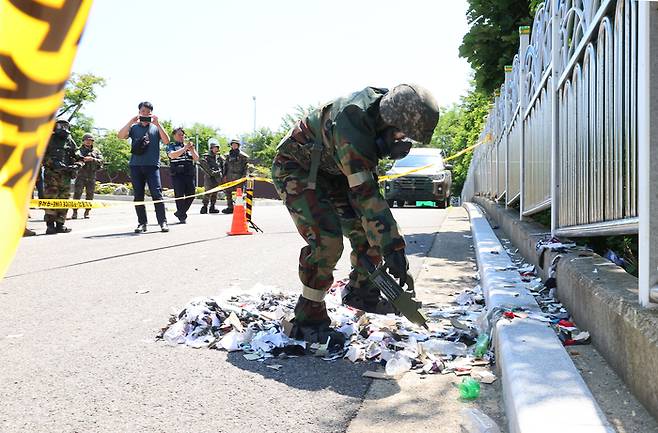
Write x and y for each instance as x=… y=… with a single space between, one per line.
x=427 y=403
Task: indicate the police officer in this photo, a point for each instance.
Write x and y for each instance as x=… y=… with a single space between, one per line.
x=60 y=165
x=182 y=157
x=235 y=167
x=212 y=165
x=93 y=161
x=324 y=171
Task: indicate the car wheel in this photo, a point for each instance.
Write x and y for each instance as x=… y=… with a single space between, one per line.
x=440 y=204
x=400 y=203
x=391 y=203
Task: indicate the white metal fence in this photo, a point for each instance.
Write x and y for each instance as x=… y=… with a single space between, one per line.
x=575 y=109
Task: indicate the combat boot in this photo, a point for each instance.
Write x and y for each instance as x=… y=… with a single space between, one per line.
x=51 y=230
x=311 y=324
x=28 y=232
x=227 y=210
x=366 y=297
x=61 y=228
x=86 y=215
x=213 y=209
x=204 y=209
x=74 y=215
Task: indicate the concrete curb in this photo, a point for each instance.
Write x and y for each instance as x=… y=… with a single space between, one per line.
x=542 y=389
x=602 y=298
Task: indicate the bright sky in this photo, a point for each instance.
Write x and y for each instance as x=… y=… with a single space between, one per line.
x=204 y=60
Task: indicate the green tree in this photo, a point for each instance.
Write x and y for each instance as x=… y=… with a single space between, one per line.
x=459 y=127
x=116 y=154
x=79 y=90
x=493 y=39
x=261 y=147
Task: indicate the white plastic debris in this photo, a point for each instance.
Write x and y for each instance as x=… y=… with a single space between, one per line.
x=398 y=365
x=476 y=421
x=444 y=347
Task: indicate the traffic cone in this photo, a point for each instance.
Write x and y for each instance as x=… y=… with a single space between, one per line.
x=239 y=224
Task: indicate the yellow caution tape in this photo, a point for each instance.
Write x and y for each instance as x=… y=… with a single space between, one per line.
x=38 y=41
x=79 y=204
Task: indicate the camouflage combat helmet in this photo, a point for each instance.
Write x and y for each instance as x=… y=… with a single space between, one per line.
x=412 y=109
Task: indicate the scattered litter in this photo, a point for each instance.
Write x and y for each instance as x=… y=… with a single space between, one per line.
x=257 y=323
x=469 y=388
x=483 y=375
x=276 y=367
x=476 y=421
x=377 y=375
x=142 y=292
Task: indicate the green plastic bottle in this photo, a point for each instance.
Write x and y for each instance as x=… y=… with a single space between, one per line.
x=469 y=389
x=481 y=345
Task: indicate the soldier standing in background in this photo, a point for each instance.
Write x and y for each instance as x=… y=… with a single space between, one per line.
x=325 y=173
x=93 y=161
x=212 y=165
x=235 y=167
x=60 y=165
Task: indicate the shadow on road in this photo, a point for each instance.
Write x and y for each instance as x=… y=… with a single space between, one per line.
x=313 y=374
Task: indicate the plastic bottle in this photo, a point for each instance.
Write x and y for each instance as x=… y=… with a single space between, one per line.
x=481 y=345
x=469 y=389
x=444 y=347
x=398 y=365
x=478 y=422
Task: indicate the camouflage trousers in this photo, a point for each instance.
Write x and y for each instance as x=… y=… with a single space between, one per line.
x=56 y=184
x=88 y=184
x=208 y=184
x=322 y=216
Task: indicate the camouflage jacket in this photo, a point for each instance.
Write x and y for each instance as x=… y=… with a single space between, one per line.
x=212 y=165
x=88 y=170
x=347 y=127
x=235 y=165
x=60 y=154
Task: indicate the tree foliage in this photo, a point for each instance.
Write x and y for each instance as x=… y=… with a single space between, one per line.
x=80 y=89
x=459 y=127
x=116 y=154
x=493 y=39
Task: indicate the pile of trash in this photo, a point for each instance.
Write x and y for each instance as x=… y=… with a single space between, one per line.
x=545 y=293
x=257 y=323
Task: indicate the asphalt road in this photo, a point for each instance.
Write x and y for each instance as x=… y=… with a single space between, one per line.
x=77 y=331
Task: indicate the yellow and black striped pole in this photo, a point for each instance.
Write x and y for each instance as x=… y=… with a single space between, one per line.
x=249 y=204
x=38 y=42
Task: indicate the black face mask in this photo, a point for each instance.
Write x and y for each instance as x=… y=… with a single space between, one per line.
x=389 y=147
x=234 y=152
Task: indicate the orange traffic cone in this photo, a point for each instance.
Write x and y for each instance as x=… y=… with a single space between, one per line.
x=239 y=224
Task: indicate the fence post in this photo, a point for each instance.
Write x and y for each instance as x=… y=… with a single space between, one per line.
x=555 y=131
x=524 y=41
x=506 y=124
x=648 y=151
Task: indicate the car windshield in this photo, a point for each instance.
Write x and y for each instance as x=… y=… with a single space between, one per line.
x=420 y=161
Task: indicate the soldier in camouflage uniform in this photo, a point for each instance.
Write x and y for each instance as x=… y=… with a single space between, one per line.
x=349 y=136
x=60 y=164
x=212 y=165
x=235 y=167
x=93 y=160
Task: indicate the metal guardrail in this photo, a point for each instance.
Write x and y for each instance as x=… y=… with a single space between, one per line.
x=566 y=129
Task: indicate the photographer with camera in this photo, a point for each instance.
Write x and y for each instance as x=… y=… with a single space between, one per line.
x=145 y=133
x=182 y=156
x=60 y=165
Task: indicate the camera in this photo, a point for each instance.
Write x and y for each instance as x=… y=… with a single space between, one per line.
x=145 y=119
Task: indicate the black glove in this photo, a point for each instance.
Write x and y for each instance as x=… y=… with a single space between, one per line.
x=397 y=264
